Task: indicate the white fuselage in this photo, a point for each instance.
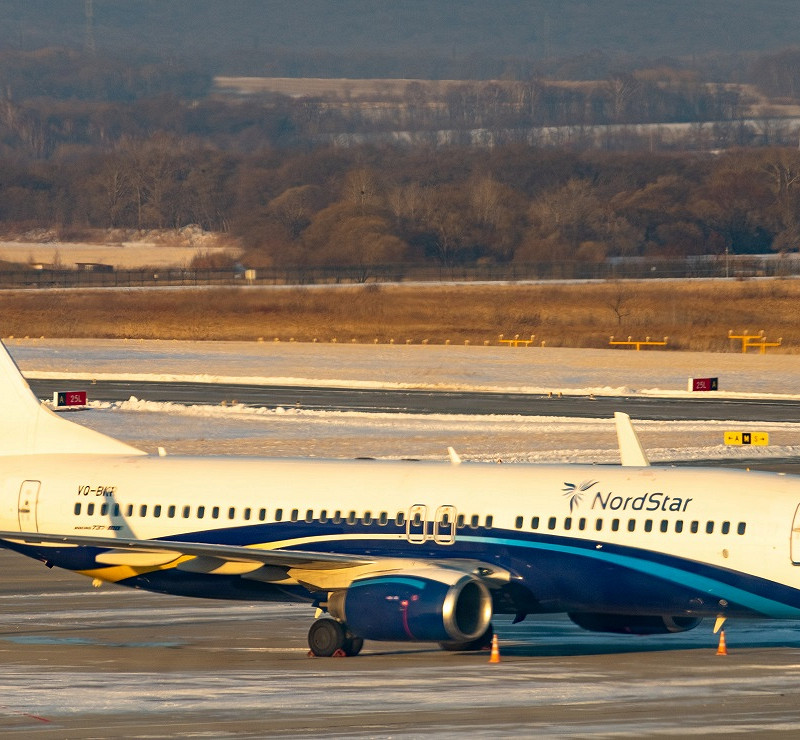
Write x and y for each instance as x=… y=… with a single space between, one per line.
x=676 y=519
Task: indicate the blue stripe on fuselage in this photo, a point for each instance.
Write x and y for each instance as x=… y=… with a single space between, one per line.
x=681 y=575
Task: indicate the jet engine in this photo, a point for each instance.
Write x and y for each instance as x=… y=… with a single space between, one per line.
x=634 y=624
x=429 y=604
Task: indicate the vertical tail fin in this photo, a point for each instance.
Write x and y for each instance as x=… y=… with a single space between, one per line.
x=28 y=428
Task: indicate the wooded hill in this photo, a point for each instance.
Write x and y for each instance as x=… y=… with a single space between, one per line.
x=588 y=144
x=380 y=205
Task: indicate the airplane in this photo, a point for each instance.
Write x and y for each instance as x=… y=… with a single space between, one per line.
x=422 y=551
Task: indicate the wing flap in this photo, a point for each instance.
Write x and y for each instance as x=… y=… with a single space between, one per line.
x=137 y=559
x=218 y=566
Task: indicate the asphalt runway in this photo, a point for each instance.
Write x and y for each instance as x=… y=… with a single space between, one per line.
x=80 y=662
x=434 y=402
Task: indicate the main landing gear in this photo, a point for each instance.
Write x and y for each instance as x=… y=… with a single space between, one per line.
x=327 y=638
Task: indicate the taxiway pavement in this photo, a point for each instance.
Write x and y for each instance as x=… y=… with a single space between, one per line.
x=80 y=662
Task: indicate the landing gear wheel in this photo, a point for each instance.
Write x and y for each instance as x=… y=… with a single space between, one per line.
x=325 y=637
x=352 y=645
x=479 y=643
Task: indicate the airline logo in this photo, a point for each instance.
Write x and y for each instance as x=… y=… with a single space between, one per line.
x=601 y=501
x=574 y=492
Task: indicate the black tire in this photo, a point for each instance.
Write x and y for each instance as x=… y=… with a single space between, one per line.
x=479 y=643
x=352 y=645
x=325 y=637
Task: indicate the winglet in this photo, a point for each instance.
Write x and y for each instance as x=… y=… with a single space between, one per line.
x=631 y=451
x=29 y=428
x=454 y=457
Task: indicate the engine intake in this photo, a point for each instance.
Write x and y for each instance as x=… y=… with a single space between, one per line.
x=434 y=604
x=634 y=624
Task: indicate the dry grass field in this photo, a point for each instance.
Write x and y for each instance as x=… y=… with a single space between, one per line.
x=695 y=315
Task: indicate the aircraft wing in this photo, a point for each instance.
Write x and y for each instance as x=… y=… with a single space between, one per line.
x=173 y=549
x=317 y=571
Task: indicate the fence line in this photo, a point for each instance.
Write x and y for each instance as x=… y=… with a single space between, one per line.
x=630 y=269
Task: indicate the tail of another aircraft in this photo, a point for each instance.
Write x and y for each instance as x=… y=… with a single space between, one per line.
x=28 y=428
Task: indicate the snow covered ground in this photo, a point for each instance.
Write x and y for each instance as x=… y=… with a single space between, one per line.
x=236 y=429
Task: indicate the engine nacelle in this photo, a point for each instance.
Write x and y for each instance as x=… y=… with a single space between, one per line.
x=634 y=624
x=428 y=604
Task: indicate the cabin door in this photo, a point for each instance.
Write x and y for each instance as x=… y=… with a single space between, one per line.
x=26 y=507
x=794 y=543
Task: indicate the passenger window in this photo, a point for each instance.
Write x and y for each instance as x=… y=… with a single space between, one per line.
x=143 y=510
x=310 y=515
x=90 y=509
x=383 y=519
x=104 y=509
x=615 y=525
x=460 y=521
x=648 y=525
x=664 y=525
x=598 y=525
x=186 y=511
x=232 y=512
x=77 y=509
x=474 y=521
x=489 y=521
x=631 y=525
x=726 y=527
x=130 y=510
x=278 y=515
x=351 y=517
x=551 y=523
x=201 y=512
x=535 y=522
x=367 y=517
x=323 y=516
x=741 y=528
x=679 y=526
x=694 y=527
x=568 y=523
x=401 y=519
x=518 y=522
x=156 y=511
x=709 y=527
x=582 y=523
x=262 y=515
x=215 y=512
x=171 y=512
x=247 y=513
x=295 y=515
x=116 y=510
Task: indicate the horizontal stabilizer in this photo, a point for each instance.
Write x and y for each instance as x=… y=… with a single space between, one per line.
x=631 y=451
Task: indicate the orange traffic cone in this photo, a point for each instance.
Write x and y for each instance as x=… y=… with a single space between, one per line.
x=495 y=656
x=723 y=648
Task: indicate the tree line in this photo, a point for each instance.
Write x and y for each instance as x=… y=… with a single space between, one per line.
x=367 y=205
